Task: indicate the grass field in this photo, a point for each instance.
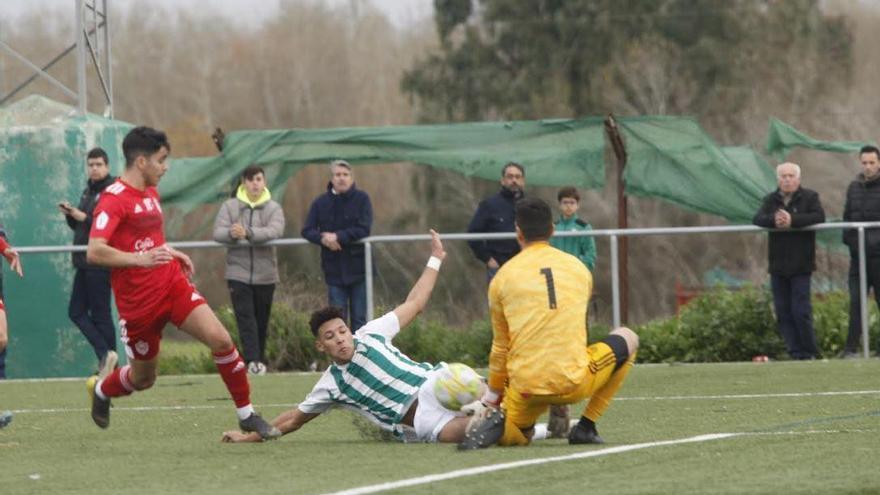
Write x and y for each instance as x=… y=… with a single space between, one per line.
x=796 y=427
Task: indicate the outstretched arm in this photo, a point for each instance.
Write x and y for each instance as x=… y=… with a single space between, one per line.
x=287 y=422
x=102 y=254
x=421 y=291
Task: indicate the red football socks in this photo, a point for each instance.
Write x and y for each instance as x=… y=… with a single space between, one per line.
x=234 y=373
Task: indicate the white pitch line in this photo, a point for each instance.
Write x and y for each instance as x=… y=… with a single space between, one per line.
x=460 y=473
x=142 y=408
x=671 y=397
x=752 y=396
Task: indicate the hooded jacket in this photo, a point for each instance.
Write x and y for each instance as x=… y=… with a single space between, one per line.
x=263 y=220
x=87 y=202
x=350 y=216
x=791 y=253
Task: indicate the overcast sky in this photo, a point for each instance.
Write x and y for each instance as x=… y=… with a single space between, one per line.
x=400 y=12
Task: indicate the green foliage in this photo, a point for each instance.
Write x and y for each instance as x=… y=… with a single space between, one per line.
x=724 y=325
x=185 y=358
x=527 y=59
x=719 y=326
x=432 y=341
x=290 y=344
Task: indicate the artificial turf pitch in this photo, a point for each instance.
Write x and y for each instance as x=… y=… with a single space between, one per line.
x=799 y=427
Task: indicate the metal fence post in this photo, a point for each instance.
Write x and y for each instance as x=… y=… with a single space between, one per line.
x=863 y=290
x=615 y=283
x=368 y=266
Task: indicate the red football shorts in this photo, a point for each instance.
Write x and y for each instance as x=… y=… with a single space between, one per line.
x=142 y=331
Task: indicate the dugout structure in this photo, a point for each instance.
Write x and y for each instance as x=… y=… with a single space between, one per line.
x=43 y=145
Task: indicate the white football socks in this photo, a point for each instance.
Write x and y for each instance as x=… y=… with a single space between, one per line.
x=540 y=431
x=244 y=412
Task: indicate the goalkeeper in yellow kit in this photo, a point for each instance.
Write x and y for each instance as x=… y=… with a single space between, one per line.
x=538 y=303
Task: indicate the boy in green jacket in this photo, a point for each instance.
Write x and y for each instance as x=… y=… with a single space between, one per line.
x=584 y=248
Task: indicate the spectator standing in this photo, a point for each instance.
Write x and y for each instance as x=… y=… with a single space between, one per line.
x=862 y=205
x=583 y=248
x=89 y=307
x=336 y=221
x=792 y=257
x=249 y=220
x=496 y=214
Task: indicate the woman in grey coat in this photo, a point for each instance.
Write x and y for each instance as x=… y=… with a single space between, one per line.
x=246 y=221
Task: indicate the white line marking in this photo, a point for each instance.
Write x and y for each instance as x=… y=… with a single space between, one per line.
x=143 y=408
x=527 y=462
x=753 y=396
x=672 y=397
x=392 y=485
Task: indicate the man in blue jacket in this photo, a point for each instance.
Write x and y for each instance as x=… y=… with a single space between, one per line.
x=495 y=214
x=338 y=219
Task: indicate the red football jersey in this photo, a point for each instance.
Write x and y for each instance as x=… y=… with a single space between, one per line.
x=131 y=221
x=3 y=247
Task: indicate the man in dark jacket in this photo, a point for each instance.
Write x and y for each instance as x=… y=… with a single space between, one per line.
x=495 y=214
x=336 y=220
x=792 y=257
x=862 y=205
x=251 y=218
x=89 y=305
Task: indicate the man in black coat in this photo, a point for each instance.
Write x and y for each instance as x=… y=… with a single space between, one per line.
x=89 y=305
x=495 y=214
x=862 y=205
x=792 y=257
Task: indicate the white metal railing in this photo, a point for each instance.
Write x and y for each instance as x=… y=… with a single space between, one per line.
x=612 y=234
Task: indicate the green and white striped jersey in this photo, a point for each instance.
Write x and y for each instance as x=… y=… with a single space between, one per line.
x=379 y=382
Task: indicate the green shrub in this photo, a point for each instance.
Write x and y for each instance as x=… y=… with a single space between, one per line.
x=831 y=320
x=185 y=358
x=720 y=325
x=290 y=344
x=432 y=341
x=724 y=325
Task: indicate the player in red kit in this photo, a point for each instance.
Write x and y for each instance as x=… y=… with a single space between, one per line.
x=151 y=284
x=15 y=264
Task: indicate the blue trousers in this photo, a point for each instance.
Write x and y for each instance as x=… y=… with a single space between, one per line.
x=353 y=301
x=89 y=309
x=794 y=314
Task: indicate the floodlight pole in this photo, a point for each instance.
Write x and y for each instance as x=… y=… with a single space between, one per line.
x=613 y=132
x=81 y=88
x=85 y=47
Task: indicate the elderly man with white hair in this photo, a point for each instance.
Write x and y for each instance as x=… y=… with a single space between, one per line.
x=792 y=257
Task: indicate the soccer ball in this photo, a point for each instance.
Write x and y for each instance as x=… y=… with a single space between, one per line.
x=456 y=385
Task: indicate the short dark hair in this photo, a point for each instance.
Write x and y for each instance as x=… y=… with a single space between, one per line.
x=568 y=192
x=324 y=315
x=513 y=164
x=534 y=219
x=98 y=153
x=869 y=149
x=251 y=171
x=142 y=141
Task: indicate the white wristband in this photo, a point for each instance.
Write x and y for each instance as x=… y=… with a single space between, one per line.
x=434 y=263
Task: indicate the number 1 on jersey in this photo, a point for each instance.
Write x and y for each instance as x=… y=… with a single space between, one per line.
x=551 y=289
